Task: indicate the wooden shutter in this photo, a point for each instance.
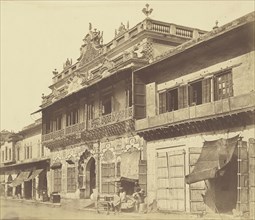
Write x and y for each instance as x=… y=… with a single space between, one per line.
x=183 y=96
x=196 y=189
x=206 y=90
x=242 y=178
x=190 y=89
x=139 y=97
x=230 y=84
x=143 y=174
x=162 y=102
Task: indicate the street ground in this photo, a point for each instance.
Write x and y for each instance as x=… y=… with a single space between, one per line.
x=17 y=210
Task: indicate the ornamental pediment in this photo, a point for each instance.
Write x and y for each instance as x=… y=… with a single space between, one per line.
x=92 y=46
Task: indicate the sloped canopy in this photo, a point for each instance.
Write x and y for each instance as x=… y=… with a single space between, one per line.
x=214 y=157
x=34 y=174
x=56 y=165
x=20 y=178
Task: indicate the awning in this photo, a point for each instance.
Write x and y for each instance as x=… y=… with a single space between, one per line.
x=70 y=161
x=56 y=165
x=20 y=178
x=214 y=157
x=130 y=164
x=34 y=174
x=128 y=179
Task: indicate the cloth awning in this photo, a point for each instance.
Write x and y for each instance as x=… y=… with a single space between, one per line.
x=56 y=165
x=128 y=179
x=34 y=174
x=20 y=178
x=70 y=161
x=215 y=155
x=129 y=165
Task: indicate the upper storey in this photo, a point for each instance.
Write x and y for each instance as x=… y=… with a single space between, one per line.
x=202 y=85
x=130 y=48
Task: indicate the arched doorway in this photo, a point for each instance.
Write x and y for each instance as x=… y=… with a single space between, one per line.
x=90 y=177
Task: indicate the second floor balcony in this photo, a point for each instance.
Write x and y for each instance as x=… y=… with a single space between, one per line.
x=111 y=118
x=83 y=127
x=217 y=109
x=73 y=129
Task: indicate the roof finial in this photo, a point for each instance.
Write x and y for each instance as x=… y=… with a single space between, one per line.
x=147 y=11
x=55 y=72
x=216 y=25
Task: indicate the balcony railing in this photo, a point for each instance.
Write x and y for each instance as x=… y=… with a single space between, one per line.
x=111 y=118
x=53 y=135
x=73 y=129
x=231 y=104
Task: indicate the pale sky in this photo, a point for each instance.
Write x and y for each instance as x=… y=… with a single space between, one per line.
x=38 y=36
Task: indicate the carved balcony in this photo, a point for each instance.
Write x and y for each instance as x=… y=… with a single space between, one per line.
x=70 y=130
x=111 y=118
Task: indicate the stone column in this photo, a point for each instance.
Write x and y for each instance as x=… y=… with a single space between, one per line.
x=49 y=181
x=64 y=178
x=36 y=182
x=5 y=185
x=13 y=191
x=22 y=190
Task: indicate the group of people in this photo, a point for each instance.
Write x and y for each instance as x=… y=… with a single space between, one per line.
x=122 y=201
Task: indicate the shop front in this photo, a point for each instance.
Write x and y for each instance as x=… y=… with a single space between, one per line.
x=200 y=173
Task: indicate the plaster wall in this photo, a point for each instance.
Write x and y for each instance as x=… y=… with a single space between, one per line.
x=243 y=74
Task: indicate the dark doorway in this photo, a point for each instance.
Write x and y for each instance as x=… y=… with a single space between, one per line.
x=28 y=189
x=18 y=191
x=43 y=185
x=195 y=93
x=90 y=177
x=9 y=188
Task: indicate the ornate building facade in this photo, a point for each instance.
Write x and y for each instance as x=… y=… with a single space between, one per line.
x=199 y=122
x=88 y=120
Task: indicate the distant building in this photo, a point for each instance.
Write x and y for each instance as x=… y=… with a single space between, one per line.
x=88 y=119
x=198 y=122
x=24 y=163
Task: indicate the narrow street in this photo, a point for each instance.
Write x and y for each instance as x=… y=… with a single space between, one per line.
x=17 y=210
x=22 y=210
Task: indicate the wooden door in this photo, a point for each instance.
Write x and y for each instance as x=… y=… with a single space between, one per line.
x=171 y=194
